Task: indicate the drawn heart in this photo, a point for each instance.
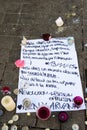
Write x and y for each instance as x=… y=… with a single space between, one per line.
x=19 y=107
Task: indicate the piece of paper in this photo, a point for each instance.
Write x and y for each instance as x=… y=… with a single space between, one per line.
x=50 y=75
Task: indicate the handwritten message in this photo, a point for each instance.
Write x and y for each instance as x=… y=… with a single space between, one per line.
x=50 y=75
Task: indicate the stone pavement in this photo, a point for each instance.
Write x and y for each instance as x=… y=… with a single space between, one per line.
x=32 y=18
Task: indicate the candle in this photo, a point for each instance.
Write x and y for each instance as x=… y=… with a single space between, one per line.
x=8 y=103
x=43 y=112
x=24 y=41
x=75 y=127
x=4 y=127
x=10 y=122
x=78 y=100
x=26 y=103
x=14 y=127
x=63 y=116
x=15 y=117
x=59 y=22
x=25 y=128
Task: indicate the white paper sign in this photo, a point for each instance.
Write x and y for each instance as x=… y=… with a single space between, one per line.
x=50 y=75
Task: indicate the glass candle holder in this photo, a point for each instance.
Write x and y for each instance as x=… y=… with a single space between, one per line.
x=43 y=112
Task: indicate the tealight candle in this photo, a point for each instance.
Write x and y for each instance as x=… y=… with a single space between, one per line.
x=26 y=103
x=24 y=41
x=4 y=127
x=25 y=128
x=75 y=127
x=15 y=117
x=63 y=116
x=13 y=127
x=8 y=103
x=59 y=22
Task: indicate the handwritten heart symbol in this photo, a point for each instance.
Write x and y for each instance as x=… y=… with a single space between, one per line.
x=19 y=107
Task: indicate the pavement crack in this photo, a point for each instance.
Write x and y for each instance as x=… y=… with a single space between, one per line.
x=3 y=73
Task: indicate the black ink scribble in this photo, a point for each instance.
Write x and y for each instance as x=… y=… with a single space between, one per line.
x=30 y=62
x=23 y=72
x=47 y=63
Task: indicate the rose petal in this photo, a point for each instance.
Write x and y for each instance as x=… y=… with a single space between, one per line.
x=46 y=36
x=5 y=90
x=19 y=63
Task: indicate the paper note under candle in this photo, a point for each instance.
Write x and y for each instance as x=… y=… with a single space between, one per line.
x=50 y=75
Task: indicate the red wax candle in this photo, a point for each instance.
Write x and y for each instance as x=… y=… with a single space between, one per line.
x=78 y=100
x=43 y=113
x=63 y=116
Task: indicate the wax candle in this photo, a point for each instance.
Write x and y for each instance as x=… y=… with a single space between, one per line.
x=4 y=127
x=59 y=22
x=14 y=127
x=75 y=127
x=25 y=128
x=8 y=103
x=78 y=100
x=26 y=103
x=43 y=112
x=63 y=116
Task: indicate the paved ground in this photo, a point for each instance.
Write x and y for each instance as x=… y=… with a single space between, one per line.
x=32 y=18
